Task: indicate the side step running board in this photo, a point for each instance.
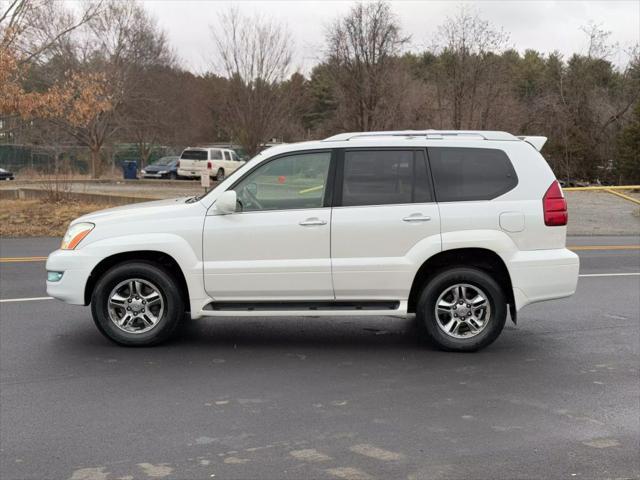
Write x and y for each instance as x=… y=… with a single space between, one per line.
x=296 y=305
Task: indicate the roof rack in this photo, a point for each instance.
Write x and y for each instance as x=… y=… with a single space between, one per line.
x=474 y=134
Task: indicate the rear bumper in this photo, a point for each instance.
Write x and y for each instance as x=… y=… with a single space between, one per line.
x=189 y=173
x=540 y=275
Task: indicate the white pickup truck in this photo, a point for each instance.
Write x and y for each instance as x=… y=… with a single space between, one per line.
x=220 y=162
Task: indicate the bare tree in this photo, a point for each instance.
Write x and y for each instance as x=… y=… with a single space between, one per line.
x=468 y=45
x=255 y=55
x=362 y=50
x=600 y=46
x=122 y=45
x=31 y=28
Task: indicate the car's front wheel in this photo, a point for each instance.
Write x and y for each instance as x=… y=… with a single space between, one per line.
x=137 y=304
x=462 y=309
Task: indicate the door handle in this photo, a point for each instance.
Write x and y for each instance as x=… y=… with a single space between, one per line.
x=309 y=222
x=416 y=217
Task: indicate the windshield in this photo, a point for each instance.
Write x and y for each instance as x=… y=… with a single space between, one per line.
x=164 y=161
x=194 y=155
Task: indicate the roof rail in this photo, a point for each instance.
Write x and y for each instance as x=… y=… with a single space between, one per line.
x=478 y=134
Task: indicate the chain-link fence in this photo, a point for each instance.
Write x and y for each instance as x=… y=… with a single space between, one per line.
x=46 y=158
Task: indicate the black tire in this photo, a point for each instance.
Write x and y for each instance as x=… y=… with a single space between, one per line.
x=220 y=175
x=173 y=310
x=440 y=283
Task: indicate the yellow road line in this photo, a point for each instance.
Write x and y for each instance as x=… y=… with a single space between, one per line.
x=577 y=248
x=21 y=259
x=312 y=189
x=616 y=187
x=622 y=195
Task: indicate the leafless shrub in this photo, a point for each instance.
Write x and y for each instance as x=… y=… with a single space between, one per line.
x=58 y=183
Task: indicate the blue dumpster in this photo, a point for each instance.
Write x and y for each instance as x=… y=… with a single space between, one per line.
x=130 y=169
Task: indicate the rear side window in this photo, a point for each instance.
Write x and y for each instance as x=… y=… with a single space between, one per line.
x=194 y=155
x=384 y=177
x=467 y=174
x=216 y=155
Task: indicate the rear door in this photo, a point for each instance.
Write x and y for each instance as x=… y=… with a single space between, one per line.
x=235 y=162
x=229 y=164
x=384 y=222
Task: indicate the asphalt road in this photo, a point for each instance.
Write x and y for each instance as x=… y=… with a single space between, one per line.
x=557 y=396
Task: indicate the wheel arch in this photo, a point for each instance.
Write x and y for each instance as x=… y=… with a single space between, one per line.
x=152 y=256
x=482 y=258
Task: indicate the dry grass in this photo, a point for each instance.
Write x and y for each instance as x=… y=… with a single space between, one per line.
x=36 y=218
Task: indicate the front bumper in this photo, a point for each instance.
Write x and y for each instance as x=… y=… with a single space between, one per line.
x=539 y=275
x=76 y=268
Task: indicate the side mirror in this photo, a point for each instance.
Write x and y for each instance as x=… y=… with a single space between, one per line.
x=226 y=203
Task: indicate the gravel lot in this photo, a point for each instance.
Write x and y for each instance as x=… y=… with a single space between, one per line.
x=600 y=213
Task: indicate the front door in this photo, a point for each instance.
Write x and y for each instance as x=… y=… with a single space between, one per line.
x=276 y=247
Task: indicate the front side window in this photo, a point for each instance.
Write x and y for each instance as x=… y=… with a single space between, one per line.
x=468 y=174
x=384 y=177
x=292 y=182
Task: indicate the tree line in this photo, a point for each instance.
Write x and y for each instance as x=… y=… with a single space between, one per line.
x=106 y=74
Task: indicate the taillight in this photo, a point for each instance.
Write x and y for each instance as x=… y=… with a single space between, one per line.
x=554 y=206
x=209 y=165
x=178 y=164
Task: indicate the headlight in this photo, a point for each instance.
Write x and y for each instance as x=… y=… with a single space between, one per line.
x=143 y=172
x=75 y=234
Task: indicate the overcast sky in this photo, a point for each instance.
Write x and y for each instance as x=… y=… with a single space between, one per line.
x=540 y=25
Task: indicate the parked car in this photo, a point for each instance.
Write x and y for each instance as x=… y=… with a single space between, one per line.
x=165 y=167
x=219 y=162
x=460 y=229
x=6 y=175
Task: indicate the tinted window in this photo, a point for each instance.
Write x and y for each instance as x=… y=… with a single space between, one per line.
x=383 y=177
x=422 y=184
x=464 y=174
x=216 y=155
x=194 y=155
x=294 y=181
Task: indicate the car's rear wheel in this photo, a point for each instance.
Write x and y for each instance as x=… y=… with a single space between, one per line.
x=220 y=175
x=137 y=304
x=462 y=309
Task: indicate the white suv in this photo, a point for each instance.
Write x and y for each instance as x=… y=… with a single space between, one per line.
x=457 y=228
x=219 y=162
